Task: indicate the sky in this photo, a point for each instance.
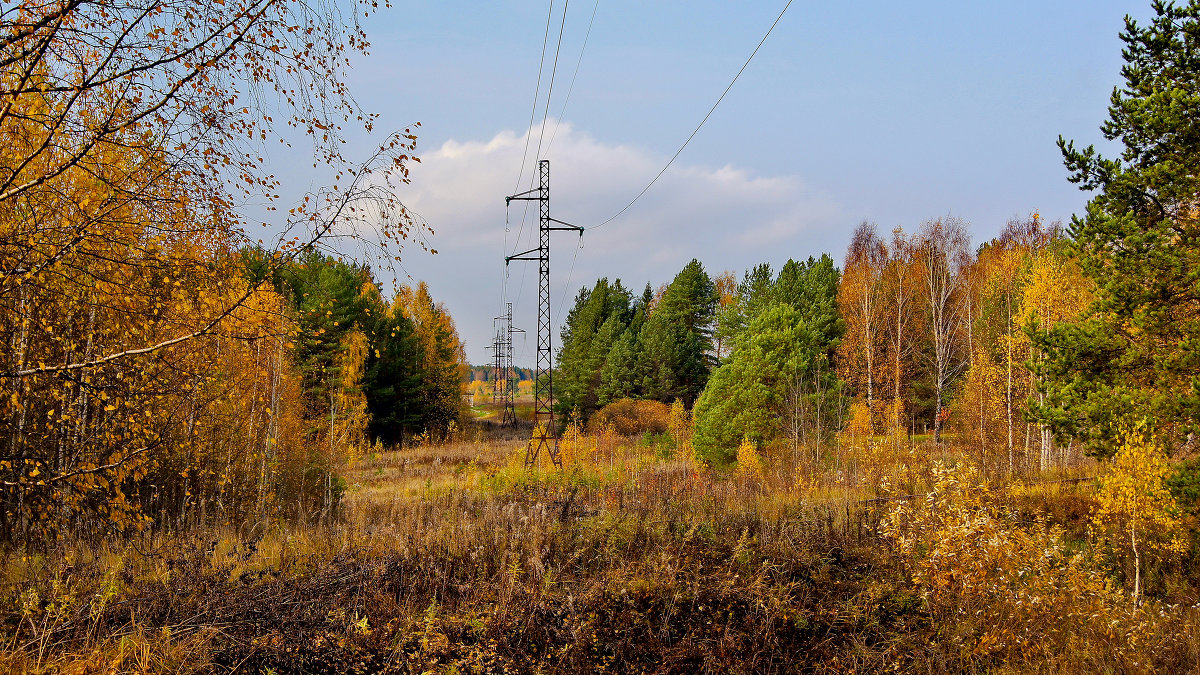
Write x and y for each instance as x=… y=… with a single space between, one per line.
x=884 y=111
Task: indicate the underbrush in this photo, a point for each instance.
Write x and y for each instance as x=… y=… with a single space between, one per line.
x=457 y=559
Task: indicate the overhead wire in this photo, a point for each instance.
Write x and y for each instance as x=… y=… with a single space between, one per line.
x=571 y=88
x=537 y=90
x=545 y=112
x=562 y=301
x=525 y=155
x=504 y=272
x=558 y=122
x=566 y=100
x=698 y=126
x=553 y=71
x=542 y=133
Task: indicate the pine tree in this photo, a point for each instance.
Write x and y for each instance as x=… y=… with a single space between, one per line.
x=753 y=295
x=1137 y=352
x=811 y=288
x=745 y=396
x=619 y=377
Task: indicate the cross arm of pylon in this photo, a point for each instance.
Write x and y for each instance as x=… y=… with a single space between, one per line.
x=565 y=226
x=523 y=196
x=522 y=256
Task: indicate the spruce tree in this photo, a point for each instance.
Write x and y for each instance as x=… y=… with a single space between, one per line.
x=592 y=327
x=676 y=339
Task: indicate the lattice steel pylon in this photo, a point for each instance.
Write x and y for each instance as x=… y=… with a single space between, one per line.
x=505 y=337
x=544 y=434
x=497 y=364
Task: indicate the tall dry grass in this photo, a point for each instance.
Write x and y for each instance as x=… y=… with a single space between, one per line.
x=632 y=558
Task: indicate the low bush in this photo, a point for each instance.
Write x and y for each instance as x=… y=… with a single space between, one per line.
x=628 y=417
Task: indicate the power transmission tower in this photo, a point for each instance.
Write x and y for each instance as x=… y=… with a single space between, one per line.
x=497 y=363
x=505 y=336
x=544 y=435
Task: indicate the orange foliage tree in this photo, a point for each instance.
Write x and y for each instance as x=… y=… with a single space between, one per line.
x=145 y=376
x=443 y=357
x=861 y=302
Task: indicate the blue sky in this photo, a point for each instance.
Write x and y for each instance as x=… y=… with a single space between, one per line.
x=891 y=112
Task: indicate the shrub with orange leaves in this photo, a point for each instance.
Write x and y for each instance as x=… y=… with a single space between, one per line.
x=628 y=417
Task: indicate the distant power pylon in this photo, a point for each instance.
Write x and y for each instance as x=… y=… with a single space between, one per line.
x=504 y=337
x=497 y=364
x=543 y=382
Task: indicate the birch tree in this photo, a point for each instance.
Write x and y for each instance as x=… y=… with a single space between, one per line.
x=941 y=256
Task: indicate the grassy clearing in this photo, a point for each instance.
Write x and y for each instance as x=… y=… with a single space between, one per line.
x=453 y=558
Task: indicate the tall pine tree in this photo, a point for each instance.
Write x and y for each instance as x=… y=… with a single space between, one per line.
x=1137 y=352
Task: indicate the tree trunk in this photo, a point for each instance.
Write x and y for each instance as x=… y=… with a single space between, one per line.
x=1008 y=395
x=1137 y=565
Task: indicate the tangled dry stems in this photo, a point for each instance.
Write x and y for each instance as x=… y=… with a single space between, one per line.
x=453 y=559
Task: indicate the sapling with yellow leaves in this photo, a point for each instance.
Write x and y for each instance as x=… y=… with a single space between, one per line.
x=749 y=462
x=1136 y=508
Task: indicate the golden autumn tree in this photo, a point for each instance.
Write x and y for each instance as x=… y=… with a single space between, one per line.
x=993 y=395
x=128 y=136
x=1136 y=508
x=941 y=257
x=1055 y=290
x=981 y=403
x=725 y=287
x=998 y=272
x=861 y=303
x=901 y=285
x=442 y=355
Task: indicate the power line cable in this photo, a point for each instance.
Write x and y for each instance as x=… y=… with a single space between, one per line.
x=525 y=155
x=573 y=76
x=536 y=91
x=697 y=129
x=504 y=272
x=562 y=301
x=550 y=90
x=542 y=133
x=528 y=134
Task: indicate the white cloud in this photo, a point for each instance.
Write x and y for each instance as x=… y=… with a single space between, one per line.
x=727 y=217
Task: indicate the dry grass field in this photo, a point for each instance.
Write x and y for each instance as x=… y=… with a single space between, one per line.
x=455 y=559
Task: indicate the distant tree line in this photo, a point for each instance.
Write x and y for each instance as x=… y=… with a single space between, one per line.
x=485 y=374
x=919 y=334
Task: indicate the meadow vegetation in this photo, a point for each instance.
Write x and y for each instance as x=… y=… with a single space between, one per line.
x=633 y=557
x=224 y=447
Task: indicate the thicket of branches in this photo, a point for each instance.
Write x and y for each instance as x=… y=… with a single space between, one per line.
x=146 y=374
